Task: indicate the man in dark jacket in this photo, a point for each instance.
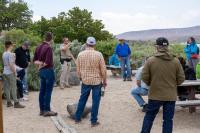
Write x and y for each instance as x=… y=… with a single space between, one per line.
x=162 y=72
x=23 y=60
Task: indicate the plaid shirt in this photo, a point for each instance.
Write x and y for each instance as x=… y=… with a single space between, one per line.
x=91 y=67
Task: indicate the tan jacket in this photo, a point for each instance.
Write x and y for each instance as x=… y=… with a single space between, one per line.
x=163 y=72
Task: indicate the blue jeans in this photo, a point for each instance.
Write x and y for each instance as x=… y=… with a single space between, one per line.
x=24 y=81
x=96 y=97
x=137 y=93
x=125 y=67
x=47 y=79
x=20 y=75
x=152 y=110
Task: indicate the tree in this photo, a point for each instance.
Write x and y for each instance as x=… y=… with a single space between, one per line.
x=74 y=24
x=83 y=25
x=14 y=15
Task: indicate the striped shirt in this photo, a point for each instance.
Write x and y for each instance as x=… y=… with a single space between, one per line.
x=91 y=67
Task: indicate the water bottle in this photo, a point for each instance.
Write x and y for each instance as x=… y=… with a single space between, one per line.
x=102 y=91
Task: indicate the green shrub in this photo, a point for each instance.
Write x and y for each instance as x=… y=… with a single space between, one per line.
x=106 y=48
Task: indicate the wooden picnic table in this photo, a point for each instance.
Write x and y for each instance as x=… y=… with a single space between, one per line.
x=191 y=86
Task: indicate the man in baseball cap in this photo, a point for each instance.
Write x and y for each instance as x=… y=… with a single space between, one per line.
x=163 y=73
x=23 y=60
x=91 y=69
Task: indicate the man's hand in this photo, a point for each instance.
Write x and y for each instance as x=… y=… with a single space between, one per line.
x=104 y=83
x=39 y=64
x=138 y=83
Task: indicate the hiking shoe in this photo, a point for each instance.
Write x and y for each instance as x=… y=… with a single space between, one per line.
x=95 y=124
x=41 y=113
x=68 y=86
x=129 y=79
x=62 y=87
x=9 y=104
x=18 y=105
x=49 y=113
x=77 y=121
x=144 y=109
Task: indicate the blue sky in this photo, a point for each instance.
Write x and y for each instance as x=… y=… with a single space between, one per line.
x=127 y=15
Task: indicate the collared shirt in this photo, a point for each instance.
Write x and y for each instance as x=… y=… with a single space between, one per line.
x=44 y=53
x=64 y=53
x=91 y=67
x=123 y=50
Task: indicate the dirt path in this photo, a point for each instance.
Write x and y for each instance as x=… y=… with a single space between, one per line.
x=119 y=113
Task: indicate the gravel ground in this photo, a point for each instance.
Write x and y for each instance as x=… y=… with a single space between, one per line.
x=119 y=113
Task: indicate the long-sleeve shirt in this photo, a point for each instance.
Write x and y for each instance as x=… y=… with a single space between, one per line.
x=138 y=76
x=123 y=50
x=22 y=57
x=91 y=67
x=44 y=54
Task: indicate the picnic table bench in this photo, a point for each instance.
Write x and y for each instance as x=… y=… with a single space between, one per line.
x=192 y=102
x=114 y=69
x=117 y=69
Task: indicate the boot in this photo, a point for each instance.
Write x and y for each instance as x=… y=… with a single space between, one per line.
x=18 y=105
x=9 y=104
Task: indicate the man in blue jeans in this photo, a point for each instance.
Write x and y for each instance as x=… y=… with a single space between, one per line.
x=162 y=72
x=43 y=58
x=123 y=52
x=91 y=69
x=140 y=90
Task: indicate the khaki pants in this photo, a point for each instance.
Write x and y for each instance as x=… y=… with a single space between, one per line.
x=10 y=88
x=65 y=72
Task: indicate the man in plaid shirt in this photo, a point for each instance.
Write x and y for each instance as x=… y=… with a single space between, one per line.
x=91 y=69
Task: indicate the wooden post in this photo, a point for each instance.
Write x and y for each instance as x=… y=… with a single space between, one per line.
x=1 y=111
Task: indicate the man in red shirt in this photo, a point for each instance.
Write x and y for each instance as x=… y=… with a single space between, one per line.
x=43 y=58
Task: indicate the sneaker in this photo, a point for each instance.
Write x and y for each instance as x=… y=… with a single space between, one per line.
x=18 y=105
x=144 y=109
x=124 y=79
x=49 y=113
x=95 y=124
x=9 y=104
x=23 y=99
x=26 y=92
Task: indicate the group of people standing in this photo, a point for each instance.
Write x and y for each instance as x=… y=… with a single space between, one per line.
x=15 y=73
x=159 y=77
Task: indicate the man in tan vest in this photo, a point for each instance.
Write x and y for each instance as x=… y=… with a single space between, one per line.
x=65 y=57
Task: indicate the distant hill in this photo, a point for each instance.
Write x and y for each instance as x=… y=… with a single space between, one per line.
x=173 y=34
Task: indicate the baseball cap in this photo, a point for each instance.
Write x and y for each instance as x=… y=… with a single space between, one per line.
x=91 y=41
x=26 y=43
x=162 y=41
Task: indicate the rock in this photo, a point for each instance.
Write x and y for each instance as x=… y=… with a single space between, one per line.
x=71 y=109
x=73 y=79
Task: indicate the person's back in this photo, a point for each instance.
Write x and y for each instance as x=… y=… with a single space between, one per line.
x=89 y=61
x=91 y=69
x=164 y=72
